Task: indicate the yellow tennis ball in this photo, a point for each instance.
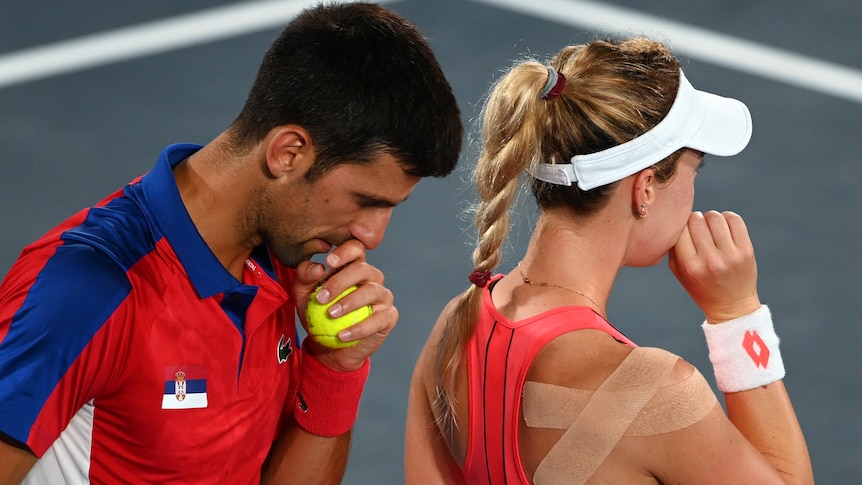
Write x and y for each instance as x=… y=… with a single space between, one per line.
x=324 y=329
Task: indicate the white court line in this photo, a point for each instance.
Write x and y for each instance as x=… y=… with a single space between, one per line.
x=247 y=17
x=723 y=50
x=149 y=38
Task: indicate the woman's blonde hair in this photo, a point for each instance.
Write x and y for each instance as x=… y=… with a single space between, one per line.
x=615 y=91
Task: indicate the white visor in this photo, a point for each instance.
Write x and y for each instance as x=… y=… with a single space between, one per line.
x=697 y=120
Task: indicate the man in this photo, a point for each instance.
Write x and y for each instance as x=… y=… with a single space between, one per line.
x=152 y=338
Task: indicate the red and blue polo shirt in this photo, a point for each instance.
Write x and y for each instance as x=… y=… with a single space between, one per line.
x=129 y=354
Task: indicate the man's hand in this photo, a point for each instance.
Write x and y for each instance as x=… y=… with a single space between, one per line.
x=714 y=261
x=347 y=267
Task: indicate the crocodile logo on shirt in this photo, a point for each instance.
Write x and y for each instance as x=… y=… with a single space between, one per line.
x=283 y=349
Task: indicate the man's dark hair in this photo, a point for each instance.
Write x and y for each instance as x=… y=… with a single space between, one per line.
x=361 y=80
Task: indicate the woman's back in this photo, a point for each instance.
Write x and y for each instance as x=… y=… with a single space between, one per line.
x=580 y=408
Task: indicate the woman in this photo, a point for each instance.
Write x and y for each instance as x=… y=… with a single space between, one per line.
x=523 y=379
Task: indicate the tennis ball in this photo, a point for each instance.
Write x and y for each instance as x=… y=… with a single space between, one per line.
x=324 y=329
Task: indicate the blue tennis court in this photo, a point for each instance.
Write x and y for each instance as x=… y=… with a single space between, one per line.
x=90 y=93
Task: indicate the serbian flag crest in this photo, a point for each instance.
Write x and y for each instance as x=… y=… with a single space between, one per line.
x=185 y=387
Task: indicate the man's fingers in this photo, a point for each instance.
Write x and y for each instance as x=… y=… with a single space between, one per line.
x=308 y=275
x=377 y=296
x=349 y=251
x=309 y=272
x=368 y=278
x=381 y=322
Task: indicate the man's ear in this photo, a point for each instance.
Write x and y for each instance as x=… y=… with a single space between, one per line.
x=289 y=152
x=643 y=191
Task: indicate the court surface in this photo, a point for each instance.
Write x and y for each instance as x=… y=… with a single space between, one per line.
x=90 y=95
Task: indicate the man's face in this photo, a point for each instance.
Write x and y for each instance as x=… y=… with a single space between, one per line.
x=351 y=201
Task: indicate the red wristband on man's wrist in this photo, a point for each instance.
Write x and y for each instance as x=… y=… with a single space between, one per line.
x=327 y=401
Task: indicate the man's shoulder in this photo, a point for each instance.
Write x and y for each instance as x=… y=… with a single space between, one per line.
x=93 y=249
x=120 y=229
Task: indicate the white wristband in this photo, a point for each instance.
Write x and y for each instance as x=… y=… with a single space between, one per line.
x=744 y=351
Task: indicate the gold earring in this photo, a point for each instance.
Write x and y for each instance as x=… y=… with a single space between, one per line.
x=643 y=211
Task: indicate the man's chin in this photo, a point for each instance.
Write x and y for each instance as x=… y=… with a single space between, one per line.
x=309 y=252
x=290 y=259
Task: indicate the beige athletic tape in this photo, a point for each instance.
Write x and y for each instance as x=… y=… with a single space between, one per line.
x=671 y=408
x=552 y=406
x=675 y=407
x=592 y=433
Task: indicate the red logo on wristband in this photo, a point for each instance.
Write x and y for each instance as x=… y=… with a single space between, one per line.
x=756 y=348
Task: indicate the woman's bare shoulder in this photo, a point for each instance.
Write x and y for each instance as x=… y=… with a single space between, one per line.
x=580 y=359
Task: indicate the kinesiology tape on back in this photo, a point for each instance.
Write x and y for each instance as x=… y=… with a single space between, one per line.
x=635 y=396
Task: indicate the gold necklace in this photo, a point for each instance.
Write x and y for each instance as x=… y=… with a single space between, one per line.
x=539 y=283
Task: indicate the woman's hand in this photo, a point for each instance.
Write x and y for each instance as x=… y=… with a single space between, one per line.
x=714 y=262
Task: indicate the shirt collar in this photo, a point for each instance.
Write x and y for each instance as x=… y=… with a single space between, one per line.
x=159 y=186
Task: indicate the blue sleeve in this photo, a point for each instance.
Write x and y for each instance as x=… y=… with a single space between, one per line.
x=60 y=307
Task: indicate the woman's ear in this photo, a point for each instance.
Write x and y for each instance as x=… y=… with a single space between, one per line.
x=289 y=151
x=643 y=192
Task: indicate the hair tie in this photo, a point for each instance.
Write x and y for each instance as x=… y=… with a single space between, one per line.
x=479 y=278
x=554 y=86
